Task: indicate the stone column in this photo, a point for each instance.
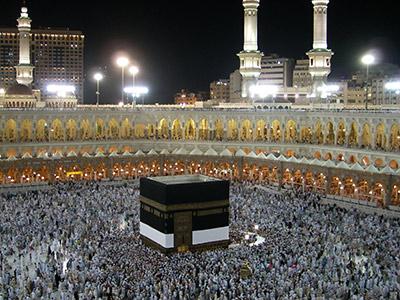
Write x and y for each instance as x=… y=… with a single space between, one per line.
x=280 y=175
x=387 y=199
x=328 y=182
x=240 y=164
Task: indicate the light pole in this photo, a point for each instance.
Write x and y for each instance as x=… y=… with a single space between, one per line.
x=98 y=77
x=122 y=62
x=134 y=70
x=367 y=60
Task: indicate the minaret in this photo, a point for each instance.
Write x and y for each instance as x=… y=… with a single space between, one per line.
x=320 y=56
x=250 y=57
x=24 y=68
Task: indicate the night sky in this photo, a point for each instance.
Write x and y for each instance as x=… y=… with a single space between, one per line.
x=187 y=44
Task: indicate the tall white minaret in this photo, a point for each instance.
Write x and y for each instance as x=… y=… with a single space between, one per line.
x=250 y=57
x=24 y=68
x=320 y=56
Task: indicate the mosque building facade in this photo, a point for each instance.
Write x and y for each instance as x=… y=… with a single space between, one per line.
x=347 y=154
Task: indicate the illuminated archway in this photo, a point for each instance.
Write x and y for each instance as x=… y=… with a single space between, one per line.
x=176 y=130
x=27 y=175
x=60 y=174
x=151 y=130
x=395 y=138
x=349 y=187
x=246 y=133
x=318 y=134
x=366 y=136
x=113 y=129
x=204 y=130
x=26 y=131
x=306 y=135
x=71 y=130
x=117 y=171
x=309 y=181
x=57 y=130
x=219 y=130
x=287 y=177
x=275 y=131
x=330 y=135
x=363 y=190
x=43 y=174
x=100 y=131
x=341 y=134
x=12 y=176
x=126 y=129
x=163 y=129
x=273 y=175
x=86 y=130
x=291 y=132
x=100 y=172
x=378 y=193
x=261 y=130
x=88 y=172
x=298 y=179
x=190 y=130
x=320 y=183
x=380 y=137
x=10 y=132
x=353 y=135
x=232 y=131
x=140 y=131
x=42 y=132
x=335 y=186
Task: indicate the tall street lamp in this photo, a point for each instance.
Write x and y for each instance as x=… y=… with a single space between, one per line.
x=134 y=70
x=367 y=60
x=122 y=62
x=98 y=77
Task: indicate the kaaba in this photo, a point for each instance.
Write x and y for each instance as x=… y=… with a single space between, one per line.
x=184 y=213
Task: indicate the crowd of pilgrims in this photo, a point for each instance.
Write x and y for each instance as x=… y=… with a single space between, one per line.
x=81 y=241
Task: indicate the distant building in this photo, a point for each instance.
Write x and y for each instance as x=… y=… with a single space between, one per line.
x=57 y=57
x=301 y=73
x=353 y=94
x=378 y=77
x=276 y=71
x=219 y=90
x=185 y=98
x=382 y=96
x=202 y=96
x=235 y=87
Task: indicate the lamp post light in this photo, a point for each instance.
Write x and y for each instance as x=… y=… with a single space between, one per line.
x=122 y=62
x=98 y=77
x=367 y=60
x=137 y=91
x=134 y=70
